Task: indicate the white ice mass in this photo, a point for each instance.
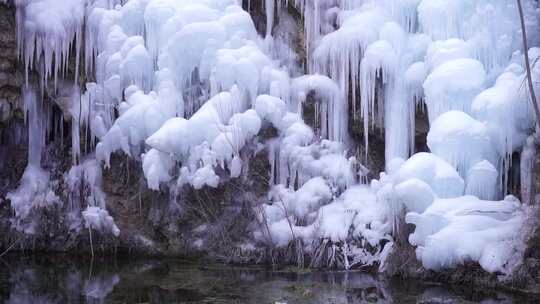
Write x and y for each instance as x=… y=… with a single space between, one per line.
x=184 y=86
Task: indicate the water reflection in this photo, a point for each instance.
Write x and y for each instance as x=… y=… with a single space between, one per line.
x=60 y=279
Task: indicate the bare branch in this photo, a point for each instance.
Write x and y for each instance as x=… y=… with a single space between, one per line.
x=527 y=63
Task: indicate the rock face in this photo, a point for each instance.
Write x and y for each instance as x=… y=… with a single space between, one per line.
x=12 y=130
x=536 y=175
x=528 y=273
x=11 y=76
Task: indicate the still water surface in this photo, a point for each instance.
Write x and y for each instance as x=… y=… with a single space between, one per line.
x=58 y=279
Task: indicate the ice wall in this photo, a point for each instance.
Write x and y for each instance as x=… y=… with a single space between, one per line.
x=186 y=87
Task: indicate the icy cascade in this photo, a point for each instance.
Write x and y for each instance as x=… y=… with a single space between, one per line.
x=47 y=31
x=221 y=84
x=87 y=200
x=187 y=86
x=36 y=127
x=49 y=34
x=365 y=55
x=213 y=87
x=391 y=55
x=34 y=191
x=429 y=190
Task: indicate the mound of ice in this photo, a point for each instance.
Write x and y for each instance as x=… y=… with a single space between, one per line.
x=34 y=191
x=415 y=76
x=176 y=135
x=156 y=167
x=309 y=198
x=460 y=140
x=483 y=181
x=100 y=220
x=356 y=214
x=87 y=174
x=453 y=86
x=415 y=194
x=371 y=217
x=434 y=171
x=141 y=117
x=493 y=105
x=454 y=231
x=270 y=108
x=442 y=51
x=203 y=176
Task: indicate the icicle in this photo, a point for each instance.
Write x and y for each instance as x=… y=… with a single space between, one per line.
x=331 y=108
x=483 y=181
x=36 y=130
x=269 y=7
x=399 y=124
x=46 y=31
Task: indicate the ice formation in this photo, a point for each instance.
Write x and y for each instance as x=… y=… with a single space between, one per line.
x=47 y=30
x=486 y=230
x=186 y=87
x=100 y=220
x=35 y=190
x=451 y=132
